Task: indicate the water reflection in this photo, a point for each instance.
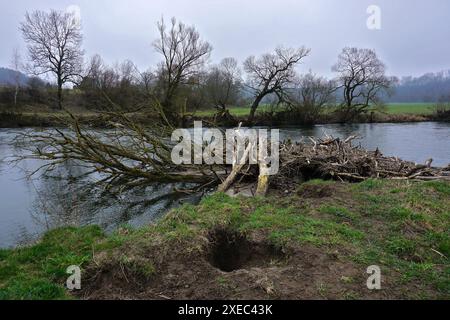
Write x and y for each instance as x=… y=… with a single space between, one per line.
x=68 y=197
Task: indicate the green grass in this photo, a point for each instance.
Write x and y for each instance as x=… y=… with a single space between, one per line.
x=235 y=111
x=392 y=109
x=39 y=271
x=412 y=230
x=410 y=108
x=403 y=227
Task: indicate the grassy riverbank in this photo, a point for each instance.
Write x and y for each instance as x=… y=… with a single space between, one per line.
x=315 y=242
x=44 y=117
x=419 y=108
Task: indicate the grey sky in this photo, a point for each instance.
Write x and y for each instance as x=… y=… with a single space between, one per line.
x=414 y=35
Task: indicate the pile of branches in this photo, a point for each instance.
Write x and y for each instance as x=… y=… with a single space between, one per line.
x=338 y=159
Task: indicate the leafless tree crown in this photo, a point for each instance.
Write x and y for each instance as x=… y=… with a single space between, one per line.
x=272 y=73
x=223 y=83
x=54 y=45
x=311 y=95
x=184 y=54
x=362 y=76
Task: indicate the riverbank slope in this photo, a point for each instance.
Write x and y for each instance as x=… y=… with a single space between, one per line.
x=313 y=242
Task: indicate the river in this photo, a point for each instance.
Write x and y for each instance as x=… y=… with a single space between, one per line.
x=29 y=207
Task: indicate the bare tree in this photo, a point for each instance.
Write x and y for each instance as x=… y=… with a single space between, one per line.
x=16 y=65
x=121 y=84
x=128 y=72
x=223 y=84
x=362 y=78
x=185 y=53
x=54 y=45
x=272 y=73
x=311 y=95
x=95 y=69
x=147 y=80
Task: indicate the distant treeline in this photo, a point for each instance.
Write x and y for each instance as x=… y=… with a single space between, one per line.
x=32 y=90
x=431 y=87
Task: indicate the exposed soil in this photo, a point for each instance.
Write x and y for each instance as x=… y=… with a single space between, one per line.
x=230 y=251
x=234 y=267
x=316 y=191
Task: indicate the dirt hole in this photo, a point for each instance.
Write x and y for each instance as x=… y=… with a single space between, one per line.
x=230 y=250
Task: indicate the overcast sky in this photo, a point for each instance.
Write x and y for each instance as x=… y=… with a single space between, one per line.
x=414 y=36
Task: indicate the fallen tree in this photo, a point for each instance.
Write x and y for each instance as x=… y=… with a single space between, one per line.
x=126 y=155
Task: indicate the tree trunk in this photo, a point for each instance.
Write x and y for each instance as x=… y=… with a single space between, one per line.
x=253 y=109
x=60 y=93
x=60 y=102
x=16 y=93
x=231 y=178
x=238 y=166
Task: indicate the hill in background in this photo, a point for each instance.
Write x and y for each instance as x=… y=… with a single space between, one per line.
x=8 y=77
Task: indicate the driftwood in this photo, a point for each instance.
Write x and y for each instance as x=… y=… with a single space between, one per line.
x=334 y=158
x=338 y=159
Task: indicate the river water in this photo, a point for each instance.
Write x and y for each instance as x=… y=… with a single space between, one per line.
x=29 y=207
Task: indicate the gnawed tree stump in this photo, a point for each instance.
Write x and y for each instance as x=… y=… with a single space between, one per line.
x=263 y=180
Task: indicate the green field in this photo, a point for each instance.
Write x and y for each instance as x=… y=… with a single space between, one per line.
x=410 y=108
x=418 y=108
x=235 y=111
